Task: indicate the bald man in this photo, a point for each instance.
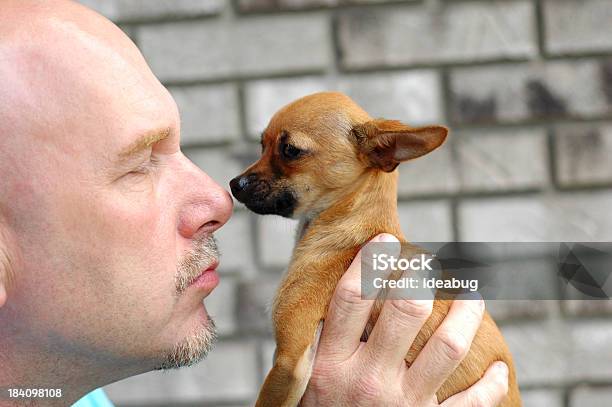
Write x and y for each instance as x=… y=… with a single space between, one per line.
x=106 y=236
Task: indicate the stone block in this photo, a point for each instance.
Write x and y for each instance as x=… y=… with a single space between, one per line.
x=515 y=93
x=197 y=50
x=577 y=26
x=209 y=113
x=436 y=33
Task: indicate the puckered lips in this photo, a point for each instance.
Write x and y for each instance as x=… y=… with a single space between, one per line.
x=208 y=279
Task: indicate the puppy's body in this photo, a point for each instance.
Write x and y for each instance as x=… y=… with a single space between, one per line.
x=343 y=186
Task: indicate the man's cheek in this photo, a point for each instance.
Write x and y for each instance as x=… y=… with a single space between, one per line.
x=132 y=220
x=141 y=235
x=133 y=239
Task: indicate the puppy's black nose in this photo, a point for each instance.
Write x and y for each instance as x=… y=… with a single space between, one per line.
x=240 y=184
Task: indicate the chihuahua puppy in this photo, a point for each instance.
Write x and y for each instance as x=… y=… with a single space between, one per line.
x=326 y=162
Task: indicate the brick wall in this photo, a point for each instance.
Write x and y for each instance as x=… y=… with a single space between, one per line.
x=526 y=86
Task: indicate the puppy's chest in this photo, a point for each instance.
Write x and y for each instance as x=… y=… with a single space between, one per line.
x=311 y=279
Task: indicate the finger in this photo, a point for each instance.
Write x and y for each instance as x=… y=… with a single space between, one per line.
x=488 y=391
x=446 y=348
x=348 y=313
x=398 y=325
x=399 y=322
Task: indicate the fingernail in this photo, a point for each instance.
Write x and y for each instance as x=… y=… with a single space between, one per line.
x=474 y=296
x=469 y=295
x=386 y=237
x=501 y=368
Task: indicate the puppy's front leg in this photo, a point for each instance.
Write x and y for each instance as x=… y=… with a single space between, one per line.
x=286 y=382
x=299 y=309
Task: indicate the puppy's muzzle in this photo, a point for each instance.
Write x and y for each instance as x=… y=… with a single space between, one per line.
x=261 y=197
x=247 y=187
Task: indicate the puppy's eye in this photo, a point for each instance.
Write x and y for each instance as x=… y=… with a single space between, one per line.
x=290 y=152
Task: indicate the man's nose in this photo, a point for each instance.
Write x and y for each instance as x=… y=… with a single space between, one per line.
x=208 y=207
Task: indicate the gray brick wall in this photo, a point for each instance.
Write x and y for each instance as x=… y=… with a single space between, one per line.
x=216 y=49
x=526 y=87
x=574 y=27
x=440 y=33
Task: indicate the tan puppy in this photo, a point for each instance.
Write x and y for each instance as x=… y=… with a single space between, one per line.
x=326 y=162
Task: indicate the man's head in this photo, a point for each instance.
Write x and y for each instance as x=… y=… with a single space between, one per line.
x=105 y=226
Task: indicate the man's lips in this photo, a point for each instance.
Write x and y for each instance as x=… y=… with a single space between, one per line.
x=208 y=279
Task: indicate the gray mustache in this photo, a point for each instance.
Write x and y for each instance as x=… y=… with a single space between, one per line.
x=203 y=253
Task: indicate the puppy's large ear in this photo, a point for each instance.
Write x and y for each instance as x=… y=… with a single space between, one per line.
x=386 y=143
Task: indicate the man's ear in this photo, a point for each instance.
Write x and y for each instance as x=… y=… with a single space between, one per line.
x=4 y=272
x=386 y=143
x=4 y=275
x=6 y=266
x=2 y=294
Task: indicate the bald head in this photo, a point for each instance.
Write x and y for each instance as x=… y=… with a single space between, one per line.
x=70 y=79
x=63 y=36
x=65 y=53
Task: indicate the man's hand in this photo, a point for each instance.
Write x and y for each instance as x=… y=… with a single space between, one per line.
x=348 y=372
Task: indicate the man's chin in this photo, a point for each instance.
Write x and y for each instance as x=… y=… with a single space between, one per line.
x=192 y=349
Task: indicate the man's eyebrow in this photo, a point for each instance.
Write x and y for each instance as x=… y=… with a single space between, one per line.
x=144 y=142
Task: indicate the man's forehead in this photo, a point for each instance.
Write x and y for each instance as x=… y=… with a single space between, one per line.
x=89 y=82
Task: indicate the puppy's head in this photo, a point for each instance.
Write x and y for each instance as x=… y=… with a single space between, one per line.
x=315 y=149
